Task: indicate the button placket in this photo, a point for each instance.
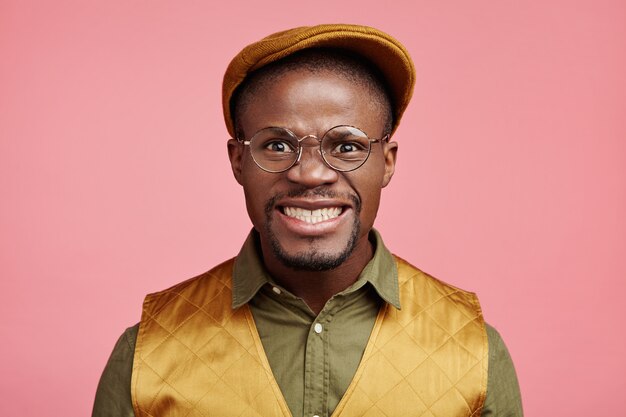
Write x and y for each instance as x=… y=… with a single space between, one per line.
x=316 y=389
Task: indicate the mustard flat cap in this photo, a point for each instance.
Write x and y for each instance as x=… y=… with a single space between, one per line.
x=385 y=52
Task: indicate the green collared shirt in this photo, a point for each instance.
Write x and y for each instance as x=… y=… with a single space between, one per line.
x=313 y=358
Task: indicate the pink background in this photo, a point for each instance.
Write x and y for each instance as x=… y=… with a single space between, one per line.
x=115 y=181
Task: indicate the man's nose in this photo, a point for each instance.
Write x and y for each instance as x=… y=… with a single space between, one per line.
x=311 y=171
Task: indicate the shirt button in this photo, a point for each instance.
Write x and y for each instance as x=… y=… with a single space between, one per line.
x=318 y=329
x=276 y=290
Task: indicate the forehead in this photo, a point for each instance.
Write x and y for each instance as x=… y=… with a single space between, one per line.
x=311 y=102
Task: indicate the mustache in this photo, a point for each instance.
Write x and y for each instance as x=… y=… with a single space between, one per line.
x=315 y=192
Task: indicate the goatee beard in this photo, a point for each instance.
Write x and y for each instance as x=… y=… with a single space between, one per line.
x=314 y=260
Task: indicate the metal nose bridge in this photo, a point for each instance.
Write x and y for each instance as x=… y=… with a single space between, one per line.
x=301 y=145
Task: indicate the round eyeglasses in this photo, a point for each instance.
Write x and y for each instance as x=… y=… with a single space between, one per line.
x=343 y=148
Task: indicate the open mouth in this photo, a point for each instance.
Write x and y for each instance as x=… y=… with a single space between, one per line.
x=312 y=216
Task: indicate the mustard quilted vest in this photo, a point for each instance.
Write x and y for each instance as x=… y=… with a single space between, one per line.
x=195 y=356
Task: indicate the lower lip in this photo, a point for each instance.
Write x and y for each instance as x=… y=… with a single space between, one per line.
x=303 y=228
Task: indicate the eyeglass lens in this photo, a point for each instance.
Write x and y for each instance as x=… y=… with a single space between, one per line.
x=344 y=148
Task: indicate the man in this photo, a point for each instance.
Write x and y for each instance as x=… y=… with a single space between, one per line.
x=314 y=316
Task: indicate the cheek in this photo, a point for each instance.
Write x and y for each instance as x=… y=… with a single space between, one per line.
x=255 y=204
x=256 y=189
x=370 y=202
x=369 y=189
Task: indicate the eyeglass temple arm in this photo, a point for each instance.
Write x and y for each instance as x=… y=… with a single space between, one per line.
x=383 y=139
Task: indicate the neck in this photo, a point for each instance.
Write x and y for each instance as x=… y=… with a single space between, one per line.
x=317 y=287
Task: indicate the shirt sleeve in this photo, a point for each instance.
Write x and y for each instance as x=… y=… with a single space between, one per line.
x=503 y=394
x=113 y=393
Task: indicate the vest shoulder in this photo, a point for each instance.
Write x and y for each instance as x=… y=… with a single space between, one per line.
x=211 y=283
x=408 y=273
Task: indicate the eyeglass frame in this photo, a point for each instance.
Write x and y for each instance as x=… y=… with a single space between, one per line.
x=247 y=142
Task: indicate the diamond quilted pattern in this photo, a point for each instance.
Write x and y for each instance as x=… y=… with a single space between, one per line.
x=221 y=392
x=404 y=360
x=184 y=376
x=465 y=388
x=442 y=406
x=391 y=329
x=256 y=379
x=452 y=311
x=411 y=404
x=169 y=396
x=220 y=353
x=436 y=343
x=379 y=365
x=454 y=358
x=425 y=328
x=196 y=357
x=429 y=382
x=194 y=352
x=360 y=403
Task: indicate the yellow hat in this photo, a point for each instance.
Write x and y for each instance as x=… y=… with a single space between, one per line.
x=391 y=58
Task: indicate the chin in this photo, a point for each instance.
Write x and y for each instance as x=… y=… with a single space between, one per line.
x=311 y=261
x=317 y=257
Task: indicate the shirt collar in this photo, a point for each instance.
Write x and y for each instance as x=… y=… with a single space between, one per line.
x=249 y=273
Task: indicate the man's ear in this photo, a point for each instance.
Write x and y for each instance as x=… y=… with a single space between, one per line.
x=235 y=154
x=390 y=151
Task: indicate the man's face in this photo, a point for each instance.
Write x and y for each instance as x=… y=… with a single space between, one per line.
x=282 y=206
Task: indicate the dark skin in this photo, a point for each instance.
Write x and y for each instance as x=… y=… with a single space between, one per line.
x=310 y=104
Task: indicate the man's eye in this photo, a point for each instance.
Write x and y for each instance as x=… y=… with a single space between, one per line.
x=346 y=147
x=279 y=146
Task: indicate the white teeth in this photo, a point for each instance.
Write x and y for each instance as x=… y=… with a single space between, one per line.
x=313 y=216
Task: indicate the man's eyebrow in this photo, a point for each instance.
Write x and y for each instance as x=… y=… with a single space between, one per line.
x=339 y=133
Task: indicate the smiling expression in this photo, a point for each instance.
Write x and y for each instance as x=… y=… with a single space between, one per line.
x=312 y=217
